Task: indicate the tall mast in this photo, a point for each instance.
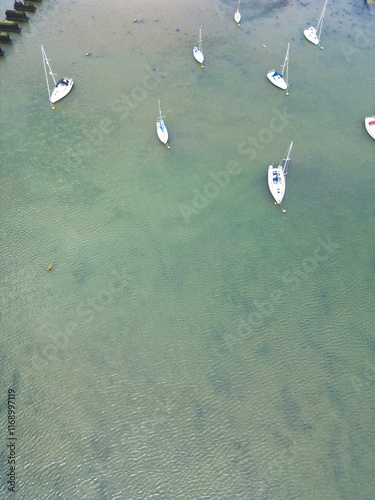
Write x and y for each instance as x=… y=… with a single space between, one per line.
x=161 y=117
x=285 y=61
x=320 y=22
x=287 y=159
x=45 y=61
x=200 y=39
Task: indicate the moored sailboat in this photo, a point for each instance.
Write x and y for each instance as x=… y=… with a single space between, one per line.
x=237 y=15
x=281 y=79
x=276 y=177
x=313 y=34
x=197 y=51
x=161 y=129
x=370 y=125
x=62 y=87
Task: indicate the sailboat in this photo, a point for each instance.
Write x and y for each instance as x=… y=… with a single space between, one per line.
x=161 y=129
x=197 y=52
x=313 y=34
x=276 y=177
x=62 y=87
x=237 y=15
x=280 y=79
x=370 y=125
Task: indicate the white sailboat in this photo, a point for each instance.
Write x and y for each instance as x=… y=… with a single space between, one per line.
x=281 y=79
x=62 y=87
x=313 y=34
x=276 y=177
x=161 y=129
x=237 y=15
x=370 y=125
x=197 y=51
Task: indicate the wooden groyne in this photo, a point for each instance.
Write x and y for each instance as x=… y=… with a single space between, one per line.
x=10 y=26
x=16 y=15
x=23 y=6
x=5 y=38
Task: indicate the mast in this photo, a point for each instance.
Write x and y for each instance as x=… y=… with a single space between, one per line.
x=287 y=159
x=45 y=61
x=286 y=64
x=200 y=39
x=161 y=117
x=320 y=22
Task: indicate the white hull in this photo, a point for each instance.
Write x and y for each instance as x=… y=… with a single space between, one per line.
x=370 y=125
x=237 y=17
x=63 y=87
x=198 y=55
x=277 y=79
x=276 y=182
x=311 y=36
x=276 y=177
x=162 y=131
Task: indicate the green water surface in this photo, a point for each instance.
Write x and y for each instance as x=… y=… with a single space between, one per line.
x=191 y=341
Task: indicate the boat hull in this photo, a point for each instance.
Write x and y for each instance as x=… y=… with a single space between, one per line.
x=276 y=183
x=277 y=79
x=198 y=55
x=311 y=36
x=162 y=131
x=63 y=87
x=237 y=17
x=370 y=125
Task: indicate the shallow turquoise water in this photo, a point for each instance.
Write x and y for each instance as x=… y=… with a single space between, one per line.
x=192 y=341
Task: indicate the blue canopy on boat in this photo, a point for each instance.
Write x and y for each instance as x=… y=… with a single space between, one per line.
x=62 y=81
